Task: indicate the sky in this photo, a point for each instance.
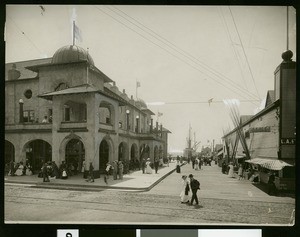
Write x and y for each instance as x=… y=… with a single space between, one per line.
x=188 y=59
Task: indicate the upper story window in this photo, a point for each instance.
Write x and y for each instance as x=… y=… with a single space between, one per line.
x=28 y=115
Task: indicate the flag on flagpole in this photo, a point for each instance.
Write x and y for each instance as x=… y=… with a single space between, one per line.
x=138 y=84
x=77 y=33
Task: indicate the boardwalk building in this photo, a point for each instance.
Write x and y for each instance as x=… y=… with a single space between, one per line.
x=65 y=109
x=270 y=135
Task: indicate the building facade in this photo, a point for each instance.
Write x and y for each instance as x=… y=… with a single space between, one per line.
x=270 y=135
x=65 y=109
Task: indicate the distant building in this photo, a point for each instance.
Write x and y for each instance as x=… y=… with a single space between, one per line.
x=270 y=135
x=65 y=109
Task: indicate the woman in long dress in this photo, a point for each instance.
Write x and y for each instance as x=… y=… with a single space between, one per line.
x=184 y=195
x=148 y=167
x=230 y=172
x=20 y=169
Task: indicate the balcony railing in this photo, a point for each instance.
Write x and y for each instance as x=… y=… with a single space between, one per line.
x=29 y=126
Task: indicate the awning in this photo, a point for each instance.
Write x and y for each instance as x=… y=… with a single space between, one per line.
x=220 y=153
x=271 y=164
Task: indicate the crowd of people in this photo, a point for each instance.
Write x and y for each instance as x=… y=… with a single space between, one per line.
x=20 y=169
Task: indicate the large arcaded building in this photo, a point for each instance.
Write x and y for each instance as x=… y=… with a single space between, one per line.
x=87 y=116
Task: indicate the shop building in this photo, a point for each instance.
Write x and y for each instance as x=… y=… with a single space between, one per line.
x=270 y=135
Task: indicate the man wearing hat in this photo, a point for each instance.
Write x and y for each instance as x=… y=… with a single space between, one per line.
x=195 y=185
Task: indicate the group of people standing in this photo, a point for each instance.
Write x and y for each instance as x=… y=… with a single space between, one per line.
x=189 y=185
x=20 y=169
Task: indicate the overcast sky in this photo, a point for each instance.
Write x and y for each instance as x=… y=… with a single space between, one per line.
x=180 y=55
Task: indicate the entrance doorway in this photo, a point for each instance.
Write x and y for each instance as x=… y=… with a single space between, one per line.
x=74 y=155
x=103 y=156
x=9 y=155
x=38 y=152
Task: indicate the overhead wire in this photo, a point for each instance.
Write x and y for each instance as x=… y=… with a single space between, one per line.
x=250 y=70
x=242 y=95
x=23 y=33
x=232 y=44
x=181 y=51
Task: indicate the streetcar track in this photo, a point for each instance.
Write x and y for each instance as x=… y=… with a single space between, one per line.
x=130 y=205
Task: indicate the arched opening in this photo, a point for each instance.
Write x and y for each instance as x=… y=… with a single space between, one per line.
x=144 y=152
x=155 y=152
x=38 y=152
x=105 y=113
x=123 y=156
x=133 y=164
x=103 y=156
x=9 y=154
x=161 y=153
x=74 y=155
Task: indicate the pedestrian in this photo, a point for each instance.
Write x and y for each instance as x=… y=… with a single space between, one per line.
x=120 y=169
x=184 y=195
x=115 y=169
x=11 y=168
x=240 y=172
x=45 y=173
x=148 y=166
x=143 y=165
x=178 y=170
x=107 y=170
x=91 y=173
x=20 y=169
x=156 y=164
x=137 y=164
x=230 y=172
x=193 y=162
x=45 y=119
x=196 y=166
x=55 y=170
x=271 y=184
x=83 y=168
x=195 y=186
x=63 y=170
x=28 y=169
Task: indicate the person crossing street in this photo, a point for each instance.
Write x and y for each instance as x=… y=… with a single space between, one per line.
x=195 y=186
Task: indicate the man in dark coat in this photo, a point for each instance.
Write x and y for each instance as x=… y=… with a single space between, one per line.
x=45 y=173
x=271 y=185
x=143 y=165
x=91 y=172
x=195 y=185
x=156 y=164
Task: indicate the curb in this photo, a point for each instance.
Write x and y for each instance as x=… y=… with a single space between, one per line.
x=81 y=187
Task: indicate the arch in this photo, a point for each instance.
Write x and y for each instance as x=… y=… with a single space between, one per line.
x=74 y=155
x=9 y=154
x=160 y=152
x=104 y=155
x=144 y=151
x=106 y=113
x=38 y=151
x=133 y=157
x=156 y=153
x=123 y=151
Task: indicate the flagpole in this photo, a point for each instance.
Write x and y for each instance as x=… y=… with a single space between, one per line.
x=87 y=69
x=287 y=28
x=73 y=33
x=136 y=93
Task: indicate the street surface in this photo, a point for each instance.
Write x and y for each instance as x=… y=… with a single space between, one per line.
x=222 y=200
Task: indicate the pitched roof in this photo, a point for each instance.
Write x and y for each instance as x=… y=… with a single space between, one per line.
x=21 y=67
x=85 y=88
x=270 y=97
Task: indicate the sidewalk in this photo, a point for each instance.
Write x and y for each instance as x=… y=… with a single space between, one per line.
x=134 y=181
